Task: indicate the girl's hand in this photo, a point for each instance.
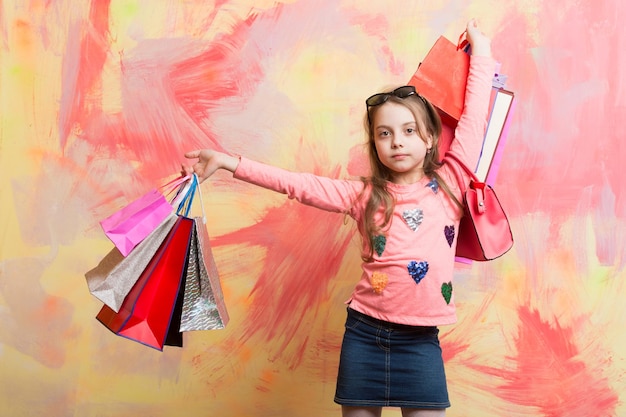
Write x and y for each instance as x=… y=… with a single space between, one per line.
x=480 y=43
x=209 y=161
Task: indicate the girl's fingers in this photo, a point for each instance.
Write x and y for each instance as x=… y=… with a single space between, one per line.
x=192 y=154
x=186 y=169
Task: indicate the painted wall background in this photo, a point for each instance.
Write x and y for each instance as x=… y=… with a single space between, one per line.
x=101 y=98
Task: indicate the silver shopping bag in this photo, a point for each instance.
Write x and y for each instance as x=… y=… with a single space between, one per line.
x=203 y=302
x=115 y=275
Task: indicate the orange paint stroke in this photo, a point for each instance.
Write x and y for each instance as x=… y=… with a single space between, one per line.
x=35 y=323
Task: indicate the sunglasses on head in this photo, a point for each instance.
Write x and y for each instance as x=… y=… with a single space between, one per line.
x=400 y=92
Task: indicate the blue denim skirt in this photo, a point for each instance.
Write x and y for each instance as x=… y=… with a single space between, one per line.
x=384 y=364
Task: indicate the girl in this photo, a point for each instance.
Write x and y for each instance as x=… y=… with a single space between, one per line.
x=407 y=213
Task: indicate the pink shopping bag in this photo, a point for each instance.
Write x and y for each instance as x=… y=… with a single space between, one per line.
x=127 y=227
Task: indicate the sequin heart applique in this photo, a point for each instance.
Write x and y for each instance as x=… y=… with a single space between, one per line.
x=433 y=185
x=449 y=232
x=417 y=270
x=380 y=242
x=379 y=282
x=446 y=291
x=413 y=218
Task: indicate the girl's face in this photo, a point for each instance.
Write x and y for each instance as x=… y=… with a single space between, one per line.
x=398 y=144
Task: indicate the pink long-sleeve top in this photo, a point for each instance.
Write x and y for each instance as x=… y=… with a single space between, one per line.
x=410 y=278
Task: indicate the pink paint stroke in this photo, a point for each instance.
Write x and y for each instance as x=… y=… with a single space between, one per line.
x=303 y=254
x=82 y=67
x=550 y=374
x=564 y=135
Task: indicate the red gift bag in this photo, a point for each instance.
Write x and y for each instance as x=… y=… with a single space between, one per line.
x=146 y=313
x=442 y=78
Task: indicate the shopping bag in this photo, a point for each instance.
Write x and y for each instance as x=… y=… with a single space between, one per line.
x=112 y=279
x=147 y=311
x=484 y=231
x=203 y=302
x=500 y=114
x=442 y=78
x=127 y=227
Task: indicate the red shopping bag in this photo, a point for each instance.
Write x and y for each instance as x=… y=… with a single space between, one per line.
x=146 y=313
x=442 y=78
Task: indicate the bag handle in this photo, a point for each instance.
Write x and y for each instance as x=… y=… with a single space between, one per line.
x=201 y=202
x=184 y=199
x=475 y=183
x=463 y=43
x=183 y=189
x=170 y=186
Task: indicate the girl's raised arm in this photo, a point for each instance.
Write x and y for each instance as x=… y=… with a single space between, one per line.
x=481 y=44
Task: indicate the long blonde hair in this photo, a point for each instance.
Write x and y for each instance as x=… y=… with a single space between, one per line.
x=428 y=126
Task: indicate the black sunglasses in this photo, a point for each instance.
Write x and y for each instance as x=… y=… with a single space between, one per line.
x=400 y=92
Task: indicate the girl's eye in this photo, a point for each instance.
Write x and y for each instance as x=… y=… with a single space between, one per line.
x=410 y=130
x=384 y=133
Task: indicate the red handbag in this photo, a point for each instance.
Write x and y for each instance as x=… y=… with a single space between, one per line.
x=484 y=231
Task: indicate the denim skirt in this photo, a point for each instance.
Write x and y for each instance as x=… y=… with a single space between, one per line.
x=384 y=364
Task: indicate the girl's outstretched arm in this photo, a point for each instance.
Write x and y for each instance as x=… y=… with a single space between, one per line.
x=334 y=195
x=208 y=162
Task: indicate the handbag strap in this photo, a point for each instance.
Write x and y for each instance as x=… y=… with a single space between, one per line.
x=475 y=183
x=460 y=163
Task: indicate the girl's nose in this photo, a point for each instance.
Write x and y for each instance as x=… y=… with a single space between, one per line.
x=396 y=142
